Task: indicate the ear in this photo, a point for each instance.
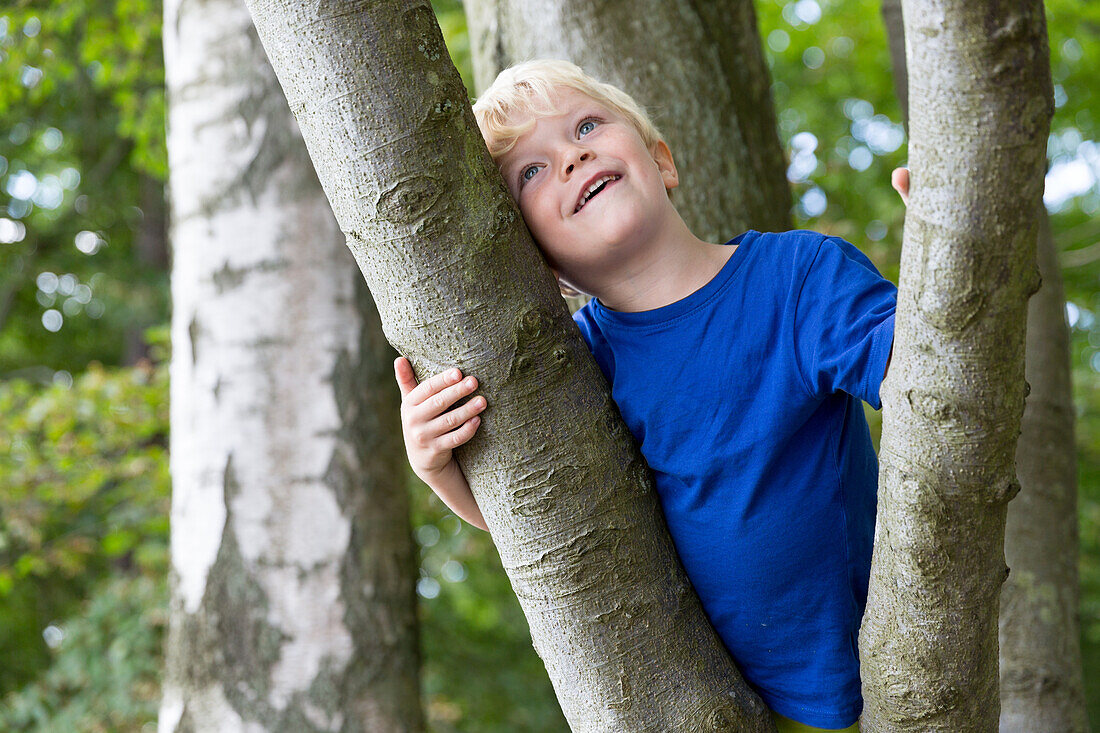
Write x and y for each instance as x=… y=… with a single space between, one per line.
x=662 y=156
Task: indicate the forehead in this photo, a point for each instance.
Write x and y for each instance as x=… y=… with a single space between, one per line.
x=564 y=104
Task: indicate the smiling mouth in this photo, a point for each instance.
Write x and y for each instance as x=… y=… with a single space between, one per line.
x=597 y=191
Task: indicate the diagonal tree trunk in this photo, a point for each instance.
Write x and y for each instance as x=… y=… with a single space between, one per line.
x=293 y=605
x=980 y=104
x=711 y=98
x=1040 y=649
x=458 y=281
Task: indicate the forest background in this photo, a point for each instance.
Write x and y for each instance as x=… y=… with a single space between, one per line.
x=84 y=309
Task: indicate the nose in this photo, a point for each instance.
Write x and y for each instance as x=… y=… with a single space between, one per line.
x=570 y=164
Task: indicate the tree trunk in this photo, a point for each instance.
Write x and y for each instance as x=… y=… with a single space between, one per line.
x=712 y=94
x=980 y=112
x=458 y=281
x=293 y=604
x=1040 y=647
x=1042 y=687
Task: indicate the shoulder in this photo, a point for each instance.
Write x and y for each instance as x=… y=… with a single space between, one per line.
x=802 y=251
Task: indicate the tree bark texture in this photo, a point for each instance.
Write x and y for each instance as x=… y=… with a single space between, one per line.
x=697 y=67
x=980 y=106
x=292 y=604
x=459 y=282
x=1042 y=687
x=1040 y=648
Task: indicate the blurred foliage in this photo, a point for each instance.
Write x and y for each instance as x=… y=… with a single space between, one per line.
x=479 y=671
x=83 y=471
x=82 y=101
x=85 y=483
x=104 y=675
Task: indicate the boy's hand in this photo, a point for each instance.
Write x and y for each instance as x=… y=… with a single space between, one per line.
x=432 y=430
x=899 y=179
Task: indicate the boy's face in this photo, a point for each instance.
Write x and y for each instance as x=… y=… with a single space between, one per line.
x=552 y=167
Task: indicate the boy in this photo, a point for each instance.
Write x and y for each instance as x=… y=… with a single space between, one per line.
x=738 y=367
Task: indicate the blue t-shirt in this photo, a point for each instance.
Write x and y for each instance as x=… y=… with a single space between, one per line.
x=745 y=399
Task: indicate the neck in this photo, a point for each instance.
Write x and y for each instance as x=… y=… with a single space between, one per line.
x=674 y=266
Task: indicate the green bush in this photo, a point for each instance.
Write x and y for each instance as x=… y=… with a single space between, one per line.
x=84 y=472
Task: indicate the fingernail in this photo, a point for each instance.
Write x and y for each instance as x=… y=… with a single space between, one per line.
x=453 y=374
x=470 y=381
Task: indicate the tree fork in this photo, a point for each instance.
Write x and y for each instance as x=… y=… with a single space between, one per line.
x=458 y=282
x=980 y=107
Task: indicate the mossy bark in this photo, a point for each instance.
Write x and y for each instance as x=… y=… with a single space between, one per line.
x=458 y=281
x=980 y=105
x=1040 y=649
x=292 y=585
x=698 y=68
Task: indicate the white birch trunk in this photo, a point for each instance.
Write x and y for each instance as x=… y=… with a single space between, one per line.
x=292 y=574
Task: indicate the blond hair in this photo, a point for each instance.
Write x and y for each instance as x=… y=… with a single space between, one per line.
x=526 y=90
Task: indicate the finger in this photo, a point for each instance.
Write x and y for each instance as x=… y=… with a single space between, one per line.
x=461 y=436
x=444 y=399
x=452 y=419
x=406 y=379
x=899 y=179
x=432 y=385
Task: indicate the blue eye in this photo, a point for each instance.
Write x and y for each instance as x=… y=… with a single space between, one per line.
x=528 y=169
x=586 y=122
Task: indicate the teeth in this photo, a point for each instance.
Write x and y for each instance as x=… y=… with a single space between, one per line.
x=593 y=187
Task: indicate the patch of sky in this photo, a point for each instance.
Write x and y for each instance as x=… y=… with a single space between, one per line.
x=52 y=320
x=88 y=242
x=876 y=230
x=11 y=231
x=50 y=193
x=32 y=27
x=802 y=13
x=779 y=40
x=453 y=571
x=19 y=208
x=47 y=282
x=427 y=588
x=19 y=133
x=879 y=133
x=21 y=185
x=70 y=178
x=1071 y=50
x=860 y=158
x=813 y=203
x=427 y=535
x=1060 y=96
x=858 y=109
x=841 y=46
x=813 y=57
x=803 y=160
x=30 y=76
x=1074 y=170
x=51 y=139
x=1079 y=317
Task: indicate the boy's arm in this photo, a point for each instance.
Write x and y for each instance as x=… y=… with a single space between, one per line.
x=432 y=430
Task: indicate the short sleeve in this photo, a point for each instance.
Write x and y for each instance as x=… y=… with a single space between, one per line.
x=844 y=323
